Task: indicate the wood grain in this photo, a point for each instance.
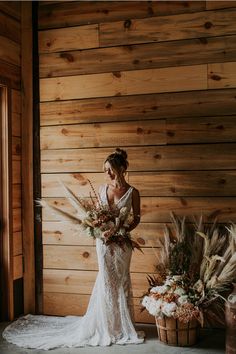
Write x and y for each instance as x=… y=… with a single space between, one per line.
x=56 y=40
x=154 y=106
x=60 y=14
x=61 y=304
x=153 y=158
x=11 y=8
x=80 y=282
x=201 y=130
x=124 y=83
x=96 y=135
x=17 y=267
x=167 y=28
x=141 y=56
x=158 y=209
x=222 y=75
x=173 y=183
x=17 y=243
x=63 y=233
x=9 y=51
x=85 y=258
x=9 y=27
x=210 y=5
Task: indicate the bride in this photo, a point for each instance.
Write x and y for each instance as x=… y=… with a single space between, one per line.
x=109 y=316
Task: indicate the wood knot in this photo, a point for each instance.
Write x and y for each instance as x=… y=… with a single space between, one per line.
x=109 y=106
x=203 y=40
x=127 y=24
x=222 y=181
x=135 y=61
x=141 y=241
x=172 y=189
x=150 y=11
x=69 y=57
x=208 y=25
x=215 y=77
x=64 y=131
x=220 y=127
x=117 y=74
x=157 y=156
x=86 y=254
x=183 y=201
x=139 y=130
x=170 y=133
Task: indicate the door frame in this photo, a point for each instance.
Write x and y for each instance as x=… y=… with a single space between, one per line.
x=6 y=258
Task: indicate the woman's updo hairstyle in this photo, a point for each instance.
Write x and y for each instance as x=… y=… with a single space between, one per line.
x=118 y=160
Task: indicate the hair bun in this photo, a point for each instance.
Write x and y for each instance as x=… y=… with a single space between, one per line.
x=122 y=153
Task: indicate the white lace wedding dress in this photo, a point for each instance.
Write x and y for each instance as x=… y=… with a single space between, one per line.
x=109 y=316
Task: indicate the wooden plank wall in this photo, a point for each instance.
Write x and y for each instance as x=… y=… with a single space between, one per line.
x=10 y=68
x=156 y=78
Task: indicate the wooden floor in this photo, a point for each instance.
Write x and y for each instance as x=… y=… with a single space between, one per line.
x=211 y=342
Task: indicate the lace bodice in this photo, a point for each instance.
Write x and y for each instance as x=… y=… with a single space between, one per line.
x=124 y=201
x=109 y=316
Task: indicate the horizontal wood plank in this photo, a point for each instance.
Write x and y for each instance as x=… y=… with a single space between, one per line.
x=180 y=183
x=85 y=258
x=61 y=14
x=60 y=304
x=167 y=28
x=222 y=75
x=104 y=134
x=142 y=56
x=153 y=106
x=9 y=27
x=56 y=40
x=9 y=51
x=82 y=282
x=11 y=72
x=201 y=130
x=11 y=8
x=157 y=158
x=158 y=209
x=64 y=233
x=217 y=4
x=124 y=83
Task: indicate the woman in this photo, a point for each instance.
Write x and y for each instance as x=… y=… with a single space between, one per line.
x=109 y=317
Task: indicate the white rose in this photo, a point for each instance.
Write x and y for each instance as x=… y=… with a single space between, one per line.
x=160 y=289
x=155 y=307
x=168 y=309
x=183 y=299
x=179 y=291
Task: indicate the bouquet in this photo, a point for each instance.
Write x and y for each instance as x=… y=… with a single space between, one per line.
x=197 y=269
x=96 y=219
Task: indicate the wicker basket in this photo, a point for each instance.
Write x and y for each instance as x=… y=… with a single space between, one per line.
x=173 y=332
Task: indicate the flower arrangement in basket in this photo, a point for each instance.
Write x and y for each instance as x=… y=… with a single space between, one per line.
x=96 y=219
x=197 y=267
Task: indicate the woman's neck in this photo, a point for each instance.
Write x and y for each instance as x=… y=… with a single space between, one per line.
x=122 y=184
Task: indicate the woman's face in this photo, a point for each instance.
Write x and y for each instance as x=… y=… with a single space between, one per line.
x=110 y=174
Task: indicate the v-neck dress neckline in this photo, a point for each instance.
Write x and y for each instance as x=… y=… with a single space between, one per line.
x=106 y=188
